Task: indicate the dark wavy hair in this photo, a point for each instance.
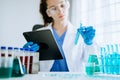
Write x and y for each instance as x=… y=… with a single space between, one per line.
x=42 y=10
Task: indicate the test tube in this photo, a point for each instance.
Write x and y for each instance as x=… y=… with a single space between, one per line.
x=22 y=55
x=119 y=62
x=35 y=66
x=116 y=47
x=77 y=35
x=27 y=59
x=102 y=59
x=3 y=56
x=10 y=57
x=16 y=52
x=31 y=61
x=106 y=51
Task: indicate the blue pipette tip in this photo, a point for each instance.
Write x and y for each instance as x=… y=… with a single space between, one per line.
x=80 y=24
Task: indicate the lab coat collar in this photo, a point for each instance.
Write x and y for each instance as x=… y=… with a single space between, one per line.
x=70 y=27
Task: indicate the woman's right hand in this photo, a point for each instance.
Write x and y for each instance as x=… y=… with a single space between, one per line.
x=31 y=46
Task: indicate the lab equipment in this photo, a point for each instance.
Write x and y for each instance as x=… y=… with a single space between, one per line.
x=10 y=57
x=88 y=33
x=6 y=62
x=22 y=54
x=92 y=64
x=17 y=68
x=18 y=56
x=110 y=59
x=94 y=59
x=22 y=59
x=89 y=68
x=34 y=63
x=16 y=51
x=77 y=35
x=12 y=62
x=31 y=46
x=26 y=61
x=3 y=56
x=101 y=59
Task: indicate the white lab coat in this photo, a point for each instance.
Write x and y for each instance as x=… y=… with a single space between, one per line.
x=76 y=55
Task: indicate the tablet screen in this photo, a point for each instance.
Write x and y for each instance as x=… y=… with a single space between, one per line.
x=49 y=49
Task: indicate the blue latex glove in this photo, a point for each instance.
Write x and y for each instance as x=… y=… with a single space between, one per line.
x=31 y=46
x=88 y=34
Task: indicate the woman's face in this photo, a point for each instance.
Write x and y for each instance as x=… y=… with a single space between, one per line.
x=57 y=9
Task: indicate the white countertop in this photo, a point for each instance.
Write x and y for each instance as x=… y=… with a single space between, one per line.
x=65 y=76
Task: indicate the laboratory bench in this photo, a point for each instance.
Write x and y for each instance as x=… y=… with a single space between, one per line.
x=65 y=76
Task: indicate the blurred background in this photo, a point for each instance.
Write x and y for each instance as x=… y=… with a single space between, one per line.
x=102 y=14
x=18 y=16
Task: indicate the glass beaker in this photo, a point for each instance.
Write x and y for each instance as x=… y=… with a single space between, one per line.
x=90 y=68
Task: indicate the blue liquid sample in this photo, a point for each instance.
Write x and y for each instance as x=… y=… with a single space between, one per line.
x=5 y=72
x=89 y=70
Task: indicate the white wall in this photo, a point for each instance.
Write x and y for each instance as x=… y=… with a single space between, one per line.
x=16 y=17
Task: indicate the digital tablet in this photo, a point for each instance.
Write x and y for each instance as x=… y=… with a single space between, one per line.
x=49 y=49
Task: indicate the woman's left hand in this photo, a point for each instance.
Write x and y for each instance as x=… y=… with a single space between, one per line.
x=88 y=34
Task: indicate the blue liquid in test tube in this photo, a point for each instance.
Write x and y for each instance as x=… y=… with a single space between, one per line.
x=102 y=59
x=77 y=35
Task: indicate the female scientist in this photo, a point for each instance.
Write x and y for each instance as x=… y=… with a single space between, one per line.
x=55 y=16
